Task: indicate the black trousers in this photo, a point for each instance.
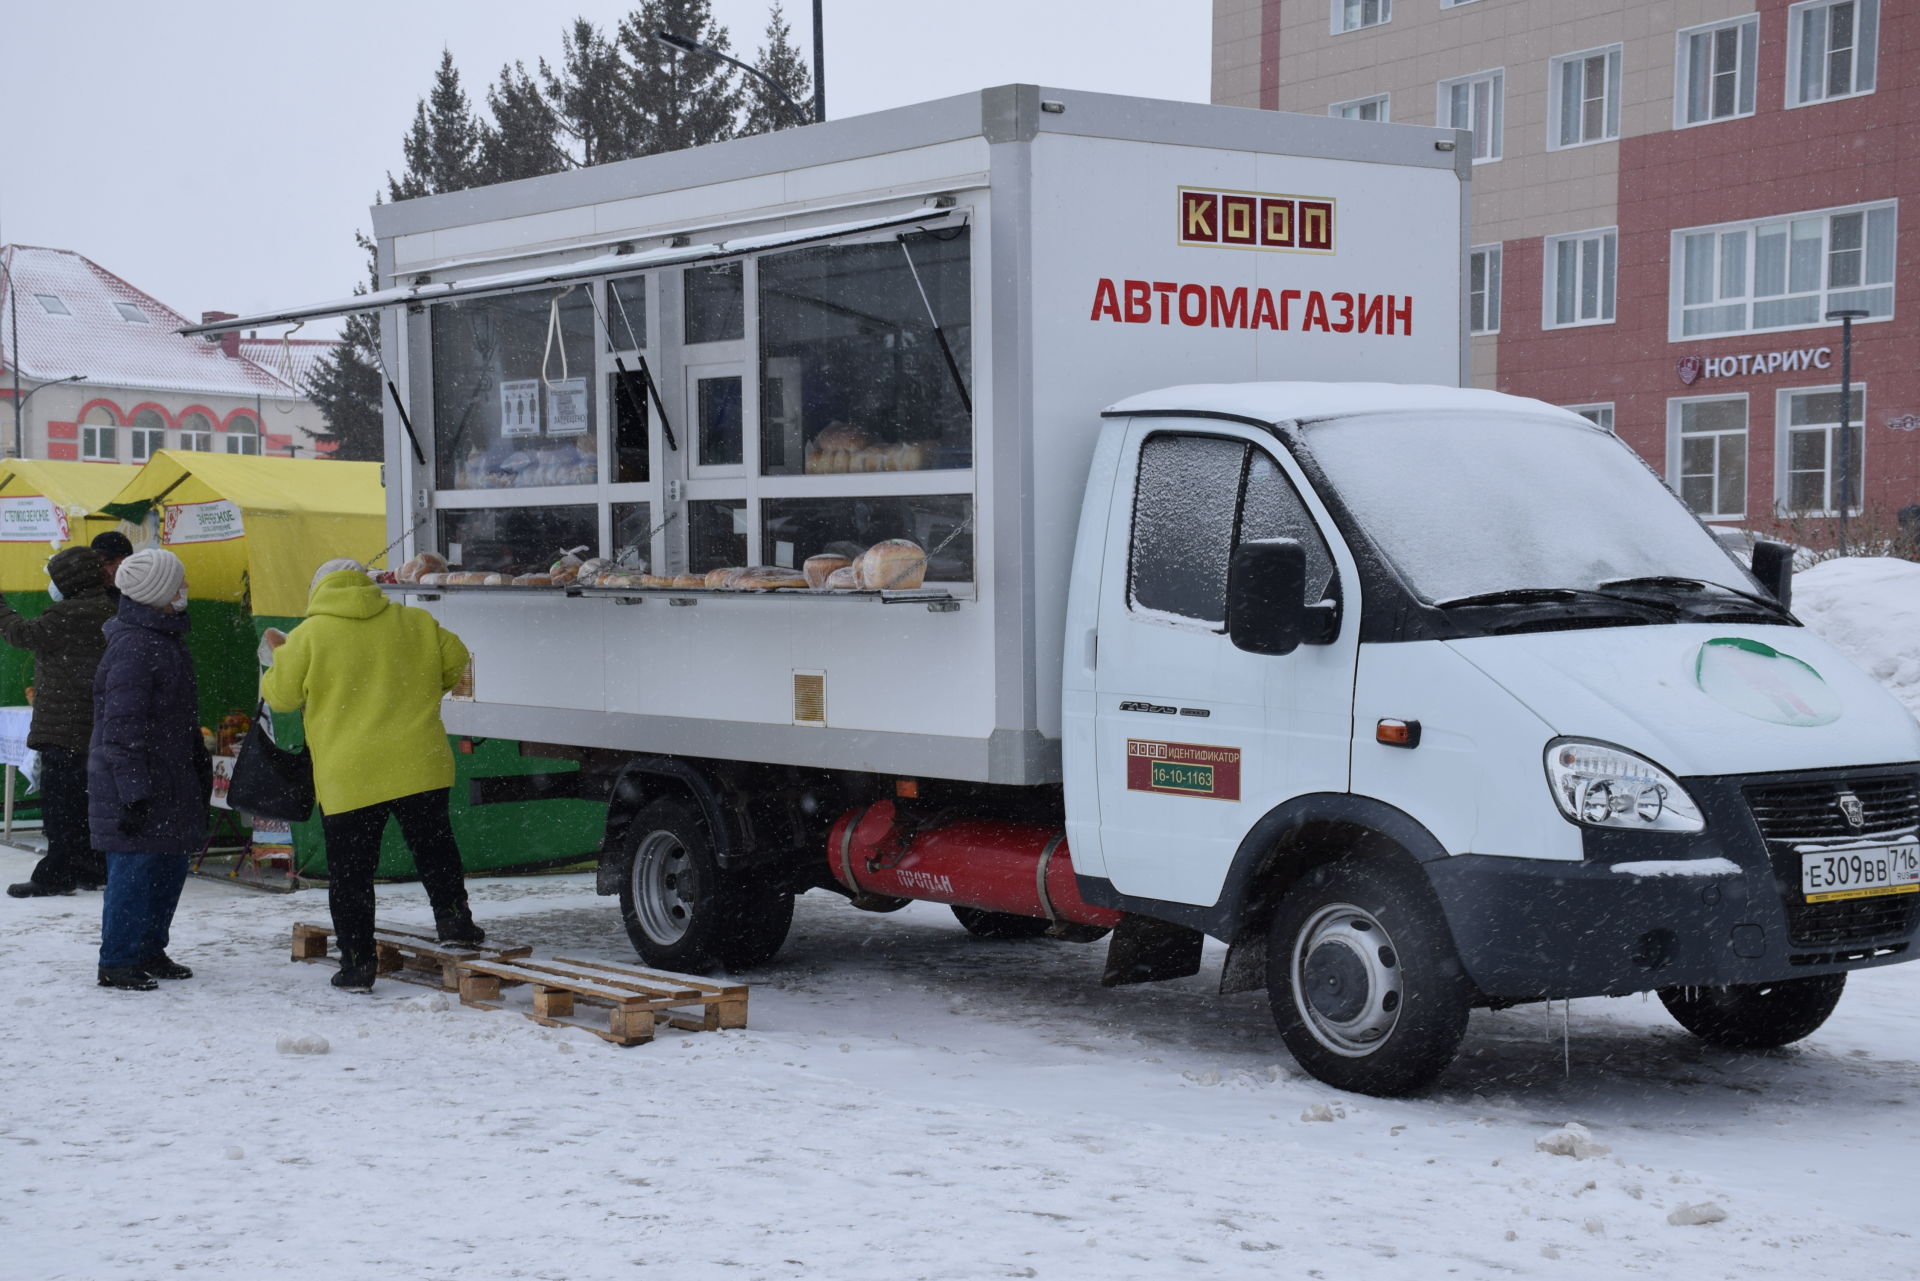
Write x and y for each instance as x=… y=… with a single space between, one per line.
x=353 y=852
x=70 y=857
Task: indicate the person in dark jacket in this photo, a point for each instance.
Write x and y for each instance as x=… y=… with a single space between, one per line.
x=149 y=773
x=67 y=643
x=113 y=547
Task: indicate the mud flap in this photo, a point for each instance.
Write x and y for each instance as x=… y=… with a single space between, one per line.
x=1246 y=966
x=1144 y=950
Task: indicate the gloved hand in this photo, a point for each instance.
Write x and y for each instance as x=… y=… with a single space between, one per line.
x=135 y=816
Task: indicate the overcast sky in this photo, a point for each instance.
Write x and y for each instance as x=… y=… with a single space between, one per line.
x=221 y=157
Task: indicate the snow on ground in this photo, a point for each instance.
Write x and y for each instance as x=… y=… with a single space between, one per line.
x=1868 y=607
x=907 y=1102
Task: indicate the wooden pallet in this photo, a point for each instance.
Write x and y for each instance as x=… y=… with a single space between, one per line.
x=408 y=955
x=634 y=1000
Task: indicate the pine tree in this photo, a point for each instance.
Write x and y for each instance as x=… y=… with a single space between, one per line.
x=348 y=384
x=442 y=148
x=519 y=143
x=587 y=93
x=680 y=99
x=780 y=62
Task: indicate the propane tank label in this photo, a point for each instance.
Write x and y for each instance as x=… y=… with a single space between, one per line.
x=1183 y=769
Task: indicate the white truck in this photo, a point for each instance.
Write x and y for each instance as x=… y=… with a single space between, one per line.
x=1240 y=619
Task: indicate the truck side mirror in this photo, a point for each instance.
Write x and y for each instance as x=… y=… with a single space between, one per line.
x=1773 y=566
x=1267 y=609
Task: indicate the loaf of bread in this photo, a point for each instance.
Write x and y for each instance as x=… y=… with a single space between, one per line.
x=432 y=580
x=689 y=580
x=717 y=577
x=590 y=571
x=465 y=580
x=424 y=563
x=817 y=568
x=841 y=580
x=656 y=580
x=496 y=580
x=532 y=580
x=763 y=578
x=895 y=565
x=623 y=579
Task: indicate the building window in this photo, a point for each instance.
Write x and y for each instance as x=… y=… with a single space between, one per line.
x=1817 y=466
x=1483 y=289
x=1584 y=105
x=148 y=435
x=1475 y=102
x=1351 y=15
x=1707 y=455
x=1600 y=416
x=1579 y=278
x=243 y=434
x=1374 y=108
x=53 y=304
x=196 y=432
x=1714 y=72
x=131 y=314
x=1831 y=49
x=1453 y=4
x=1784 y=273
x=97 y=444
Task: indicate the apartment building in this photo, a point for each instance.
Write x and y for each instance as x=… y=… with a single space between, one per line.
x=1670 y=198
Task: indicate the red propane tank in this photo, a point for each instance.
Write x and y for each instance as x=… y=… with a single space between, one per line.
x=1021 y=868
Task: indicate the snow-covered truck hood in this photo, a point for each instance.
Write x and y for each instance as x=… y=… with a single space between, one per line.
x=1703 y=699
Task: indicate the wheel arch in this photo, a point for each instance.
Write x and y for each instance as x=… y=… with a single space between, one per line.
x=1288 y=842
x=644 y=780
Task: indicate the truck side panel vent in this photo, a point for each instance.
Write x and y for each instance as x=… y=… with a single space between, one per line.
x=810 y=698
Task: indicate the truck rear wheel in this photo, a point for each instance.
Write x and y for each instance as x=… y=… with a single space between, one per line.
x=681 y=911
x=1364 y=982
x=1755 y=1016
x=983 y=924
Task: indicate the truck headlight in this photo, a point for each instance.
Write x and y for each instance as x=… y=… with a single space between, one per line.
x=1599 y=785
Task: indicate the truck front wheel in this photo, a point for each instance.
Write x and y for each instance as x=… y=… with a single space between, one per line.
x=681 y=911
x=1363 y=978
x=1755 y=1016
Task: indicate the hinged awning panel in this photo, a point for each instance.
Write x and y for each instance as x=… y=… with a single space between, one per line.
x=562 y=273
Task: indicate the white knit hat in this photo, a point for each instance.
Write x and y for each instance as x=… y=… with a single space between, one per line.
x=152 y=577
x=334 y=566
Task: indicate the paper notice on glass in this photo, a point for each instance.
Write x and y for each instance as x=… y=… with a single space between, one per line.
x=567 y=408
x=520 y=407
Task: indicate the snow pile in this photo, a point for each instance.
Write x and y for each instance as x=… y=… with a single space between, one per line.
x=1694 y=1216
x=1869 y=608
x=1572 y=1139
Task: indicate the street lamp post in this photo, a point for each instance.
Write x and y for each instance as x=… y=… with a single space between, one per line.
x=1844 y=453
x=819 y=66
x=20 y=405
x=686 y=45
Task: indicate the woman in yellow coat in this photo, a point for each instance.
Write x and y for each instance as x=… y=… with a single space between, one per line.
x=369 y=674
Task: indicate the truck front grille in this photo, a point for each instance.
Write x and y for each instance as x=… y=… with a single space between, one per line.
x=1795 y=816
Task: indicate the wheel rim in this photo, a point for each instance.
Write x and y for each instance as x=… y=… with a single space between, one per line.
x=1346 y=980
x=665 y=887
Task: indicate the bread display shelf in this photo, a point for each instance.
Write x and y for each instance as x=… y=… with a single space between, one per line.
x=937 y=599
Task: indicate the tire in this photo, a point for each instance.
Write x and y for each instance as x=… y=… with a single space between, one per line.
x=681 y=911
x=1755 y=1016
x=983 y=924
x=1363 y=978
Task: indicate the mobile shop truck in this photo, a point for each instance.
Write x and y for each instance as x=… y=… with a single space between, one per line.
x=1417 y=698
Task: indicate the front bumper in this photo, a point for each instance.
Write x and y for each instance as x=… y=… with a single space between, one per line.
x=1533 y=928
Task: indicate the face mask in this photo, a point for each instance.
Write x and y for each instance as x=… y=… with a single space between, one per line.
x=53 y=590
x=180 y=602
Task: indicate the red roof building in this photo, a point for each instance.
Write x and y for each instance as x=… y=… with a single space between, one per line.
x=104 y=375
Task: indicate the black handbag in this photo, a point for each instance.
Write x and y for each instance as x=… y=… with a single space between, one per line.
x=268 y=780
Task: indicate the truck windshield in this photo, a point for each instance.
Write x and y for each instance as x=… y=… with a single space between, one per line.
x=1469 y=505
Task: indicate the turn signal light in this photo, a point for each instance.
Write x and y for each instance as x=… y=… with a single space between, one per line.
x=1398 y=733
x=907 y=789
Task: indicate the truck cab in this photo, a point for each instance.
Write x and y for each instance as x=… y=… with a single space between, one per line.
x=1425 y=698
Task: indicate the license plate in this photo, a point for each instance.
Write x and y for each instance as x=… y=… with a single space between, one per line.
x=1861 y=873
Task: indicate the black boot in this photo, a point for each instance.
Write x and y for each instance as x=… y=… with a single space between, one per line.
x=128 y=978
x=34 y=889
x=162 y=966
x=355 y=975
x=458 y=927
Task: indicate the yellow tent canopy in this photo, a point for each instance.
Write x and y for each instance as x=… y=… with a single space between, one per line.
x=29 y=532
x=247 y=524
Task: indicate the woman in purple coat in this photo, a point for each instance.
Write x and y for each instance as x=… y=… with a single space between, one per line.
x=148 y=773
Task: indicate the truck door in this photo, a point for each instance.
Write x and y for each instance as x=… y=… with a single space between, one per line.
x=1195 y=739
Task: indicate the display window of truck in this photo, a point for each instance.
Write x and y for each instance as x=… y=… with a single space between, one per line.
x=761 y=411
